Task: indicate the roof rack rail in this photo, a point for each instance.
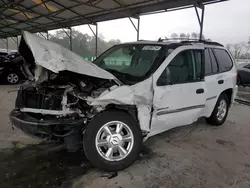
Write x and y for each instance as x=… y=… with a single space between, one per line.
x=190 y=40
x=203 y=41
x=174 y=39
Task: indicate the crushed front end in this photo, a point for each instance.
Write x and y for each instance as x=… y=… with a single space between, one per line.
x=57 y=108
x=52 y=103
x=64 y=93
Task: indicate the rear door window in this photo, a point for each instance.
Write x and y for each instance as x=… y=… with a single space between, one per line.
x=208 y=65
x=223 y=59
x=215 y=68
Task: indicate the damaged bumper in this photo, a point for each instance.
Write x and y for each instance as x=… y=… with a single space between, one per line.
x=44 y=128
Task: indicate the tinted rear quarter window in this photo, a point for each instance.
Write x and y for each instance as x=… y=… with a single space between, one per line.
x=223 y=59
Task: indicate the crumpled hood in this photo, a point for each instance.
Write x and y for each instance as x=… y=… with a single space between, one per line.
x=57 y=58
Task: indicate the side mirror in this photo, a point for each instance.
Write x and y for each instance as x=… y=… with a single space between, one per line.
x=164 y=79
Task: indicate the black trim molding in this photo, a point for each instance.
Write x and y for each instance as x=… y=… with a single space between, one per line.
x=162 y=112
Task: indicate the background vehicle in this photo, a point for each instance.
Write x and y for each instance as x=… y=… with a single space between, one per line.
x=128 y=94
x=243 y=74
x=10 y=68
x=2 y=54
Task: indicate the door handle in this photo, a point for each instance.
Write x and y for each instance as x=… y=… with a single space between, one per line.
x=200 y=91
x=220 y=81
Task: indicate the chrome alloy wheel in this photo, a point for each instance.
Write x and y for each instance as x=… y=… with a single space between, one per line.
x=114 y=141
x=222 y=110
x=12 y=78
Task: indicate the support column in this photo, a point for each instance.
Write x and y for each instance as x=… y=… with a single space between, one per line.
x=96 y=40
x=5 y=42
x=47 y=35
x=7 y=45
x=200 y=19
x=17 y=42
x=70 y=36
x=96 y=37
x=70 y=39
x=137 y=29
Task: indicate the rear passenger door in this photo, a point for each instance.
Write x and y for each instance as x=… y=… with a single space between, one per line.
x=218 y=76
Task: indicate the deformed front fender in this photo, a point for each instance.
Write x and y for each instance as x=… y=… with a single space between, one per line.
x=140 y=95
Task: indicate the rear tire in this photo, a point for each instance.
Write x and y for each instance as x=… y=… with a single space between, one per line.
x=220 y=111
x=112 y=129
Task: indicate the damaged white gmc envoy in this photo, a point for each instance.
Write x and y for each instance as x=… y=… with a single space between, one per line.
x=128 y=94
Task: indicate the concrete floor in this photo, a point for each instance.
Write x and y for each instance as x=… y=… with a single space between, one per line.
x=196 y=155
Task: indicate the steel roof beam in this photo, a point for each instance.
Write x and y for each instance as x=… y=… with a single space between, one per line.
x=41 y=15
x=14 y=19
x=69 y=9
x=122 y=11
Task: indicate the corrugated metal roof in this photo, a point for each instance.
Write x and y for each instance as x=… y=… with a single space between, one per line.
x=43 y=15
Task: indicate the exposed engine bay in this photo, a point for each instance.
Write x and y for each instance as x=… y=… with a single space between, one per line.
x=62 y=94
x=62 y=103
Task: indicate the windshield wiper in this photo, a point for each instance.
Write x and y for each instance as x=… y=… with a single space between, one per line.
x=115 y=72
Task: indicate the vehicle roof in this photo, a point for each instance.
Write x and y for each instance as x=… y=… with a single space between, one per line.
x=177 y=43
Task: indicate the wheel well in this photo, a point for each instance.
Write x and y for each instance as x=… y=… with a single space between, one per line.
x=130 y=109
x=229 y=93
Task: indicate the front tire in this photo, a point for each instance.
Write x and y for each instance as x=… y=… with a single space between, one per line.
x=220 y=111
x=112 y=140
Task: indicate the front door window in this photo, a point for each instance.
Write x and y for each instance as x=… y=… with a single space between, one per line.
x=185 y=67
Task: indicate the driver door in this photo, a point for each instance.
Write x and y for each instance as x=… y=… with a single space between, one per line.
x=179 y=90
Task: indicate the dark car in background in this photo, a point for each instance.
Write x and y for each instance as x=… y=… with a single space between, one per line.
x=244 y=74
x=2 y=54
x=10 y=68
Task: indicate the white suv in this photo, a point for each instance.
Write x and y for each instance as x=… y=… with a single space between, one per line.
x=129 y=93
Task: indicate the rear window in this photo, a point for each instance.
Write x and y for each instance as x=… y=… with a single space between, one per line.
x=223 y=59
